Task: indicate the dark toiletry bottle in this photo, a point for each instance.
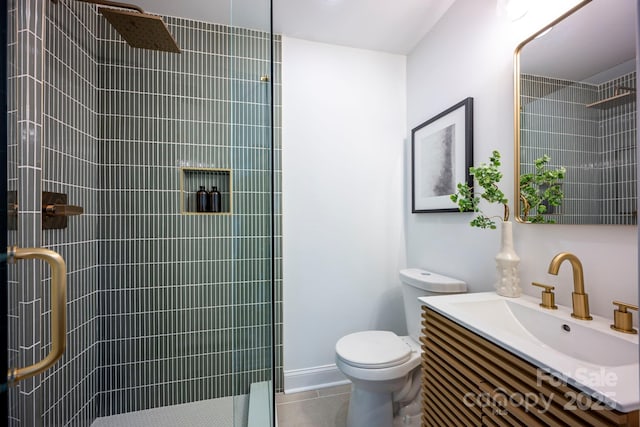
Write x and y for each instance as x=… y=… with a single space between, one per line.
x=201 y=199
x=214 y=200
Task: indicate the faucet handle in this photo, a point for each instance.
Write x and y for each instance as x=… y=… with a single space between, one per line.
x=622 y=319
x=548 y=297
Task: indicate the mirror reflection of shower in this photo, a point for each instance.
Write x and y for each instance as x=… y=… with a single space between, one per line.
x=139 y=29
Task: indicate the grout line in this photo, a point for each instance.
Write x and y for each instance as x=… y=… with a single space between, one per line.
x=336 y=394
x=318 y=396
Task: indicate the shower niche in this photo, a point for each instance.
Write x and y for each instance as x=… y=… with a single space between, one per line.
x=191 y=182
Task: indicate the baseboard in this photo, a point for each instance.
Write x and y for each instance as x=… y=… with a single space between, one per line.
x=297 y=380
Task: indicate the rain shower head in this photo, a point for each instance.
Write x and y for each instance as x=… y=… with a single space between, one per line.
x=138 y=28
x=141 y=29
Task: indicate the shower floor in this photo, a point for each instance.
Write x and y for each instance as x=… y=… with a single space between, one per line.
x=223 y=412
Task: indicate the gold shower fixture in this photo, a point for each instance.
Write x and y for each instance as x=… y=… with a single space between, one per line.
x=138 y=28
x=621 y=96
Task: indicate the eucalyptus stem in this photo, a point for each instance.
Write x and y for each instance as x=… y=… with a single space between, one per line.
x=487 y=175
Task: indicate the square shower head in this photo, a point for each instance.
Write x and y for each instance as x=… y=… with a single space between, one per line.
x=141 y=29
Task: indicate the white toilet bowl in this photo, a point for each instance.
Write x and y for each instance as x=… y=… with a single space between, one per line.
x=384 y=370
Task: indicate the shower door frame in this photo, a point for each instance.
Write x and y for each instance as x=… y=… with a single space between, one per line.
x=4 y=394
x=273 y=421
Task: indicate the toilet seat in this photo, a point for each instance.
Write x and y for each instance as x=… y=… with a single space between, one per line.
x=373 y=350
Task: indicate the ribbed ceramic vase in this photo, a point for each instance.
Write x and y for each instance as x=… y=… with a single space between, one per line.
x=508 y=265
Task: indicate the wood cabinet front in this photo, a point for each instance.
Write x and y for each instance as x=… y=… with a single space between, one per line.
x=469 y=381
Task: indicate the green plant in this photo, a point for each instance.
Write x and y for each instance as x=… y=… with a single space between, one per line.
x=488 y=176
x=539 y=190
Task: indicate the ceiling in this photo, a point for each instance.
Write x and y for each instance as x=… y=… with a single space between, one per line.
x=394 y=26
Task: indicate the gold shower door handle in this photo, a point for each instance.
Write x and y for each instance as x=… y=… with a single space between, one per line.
x=58 y=309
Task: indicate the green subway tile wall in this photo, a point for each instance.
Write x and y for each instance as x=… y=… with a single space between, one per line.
x=194 y=289
x=70 y=164
x=164 y=308
x=619 y=127
x=597 y=146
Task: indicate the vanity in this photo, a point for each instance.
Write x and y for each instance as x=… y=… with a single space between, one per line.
x=498 y=361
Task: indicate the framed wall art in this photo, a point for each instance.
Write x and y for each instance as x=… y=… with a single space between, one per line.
x=441 y=154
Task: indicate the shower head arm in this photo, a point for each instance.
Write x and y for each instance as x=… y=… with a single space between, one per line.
x=111 y=4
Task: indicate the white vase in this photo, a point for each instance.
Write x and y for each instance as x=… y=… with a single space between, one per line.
x=508 y=265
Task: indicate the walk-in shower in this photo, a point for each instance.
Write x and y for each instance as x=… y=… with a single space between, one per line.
x=172 y=313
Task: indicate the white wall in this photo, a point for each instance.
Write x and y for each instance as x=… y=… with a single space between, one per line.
x=344 y=124
x=470 y=53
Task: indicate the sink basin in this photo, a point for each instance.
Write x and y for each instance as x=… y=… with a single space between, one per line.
x=568 y=336
x=587 y=354
x=575 y=339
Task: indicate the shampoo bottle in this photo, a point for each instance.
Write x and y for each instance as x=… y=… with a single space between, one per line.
x=201 y=200
x=215 y=204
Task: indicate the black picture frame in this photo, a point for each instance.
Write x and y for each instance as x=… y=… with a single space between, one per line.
x=441 y=154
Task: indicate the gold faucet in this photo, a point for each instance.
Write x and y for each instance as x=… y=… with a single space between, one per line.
x=579 y=297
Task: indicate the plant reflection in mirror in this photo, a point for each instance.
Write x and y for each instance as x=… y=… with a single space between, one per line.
x=541 y=190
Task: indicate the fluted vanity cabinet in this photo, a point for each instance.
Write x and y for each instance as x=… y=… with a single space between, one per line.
x=469 y=381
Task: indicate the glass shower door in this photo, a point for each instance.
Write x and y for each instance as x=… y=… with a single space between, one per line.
x=168 y=305
x=256 y=157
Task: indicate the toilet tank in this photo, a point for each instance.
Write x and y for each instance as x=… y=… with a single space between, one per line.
x=421 y=283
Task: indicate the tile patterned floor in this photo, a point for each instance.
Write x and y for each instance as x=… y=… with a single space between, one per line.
x=317 y=408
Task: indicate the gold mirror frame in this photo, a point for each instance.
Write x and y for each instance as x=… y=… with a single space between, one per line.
x=517 y=104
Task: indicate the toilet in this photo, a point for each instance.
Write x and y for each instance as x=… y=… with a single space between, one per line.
x=384 y=368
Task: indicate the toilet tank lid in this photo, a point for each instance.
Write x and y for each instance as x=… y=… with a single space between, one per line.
x=431 y=282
